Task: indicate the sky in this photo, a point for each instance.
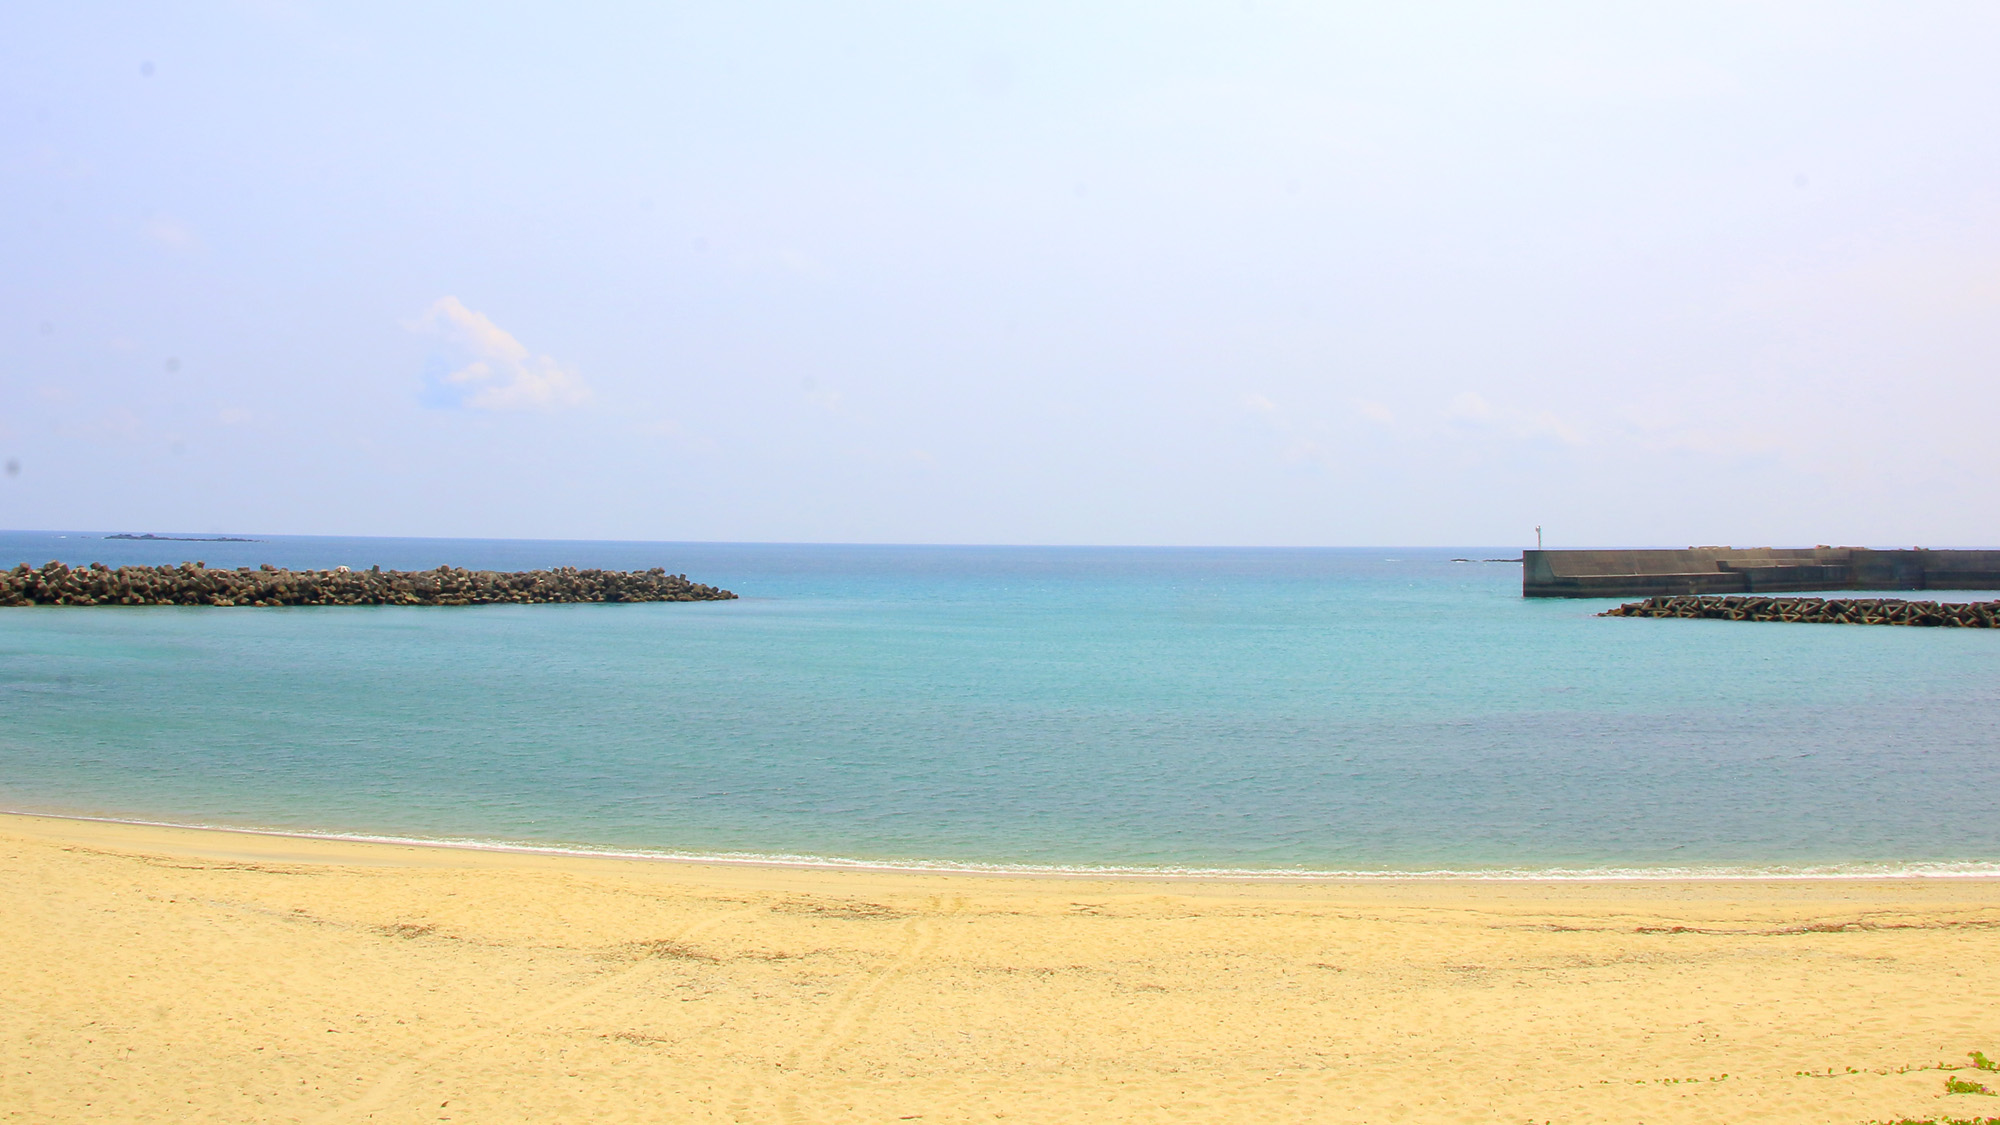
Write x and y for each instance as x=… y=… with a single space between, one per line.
x=1091 y=273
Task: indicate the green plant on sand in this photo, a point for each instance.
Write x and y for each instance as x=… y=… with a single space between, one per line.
x=1953 y=1086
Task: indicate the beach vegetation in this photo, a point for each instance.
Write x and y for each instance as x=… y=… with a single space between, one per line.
x=1979 y=1062
x=1964 y=1086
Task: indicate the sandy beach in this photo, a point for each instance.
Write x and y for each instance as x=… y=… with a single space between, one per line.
x=156 y=974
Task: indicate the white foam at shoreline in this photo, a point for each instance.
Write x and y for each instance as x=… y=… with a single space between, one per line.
x=1925 y=869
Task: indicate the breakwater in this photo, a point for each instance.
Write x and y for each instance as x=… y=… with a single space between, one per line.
x=1752 y=570
x=1817 y=611
x=197 y=584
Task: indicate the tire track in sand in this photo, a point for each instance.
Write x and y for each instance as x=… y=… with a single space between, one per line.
x=379 y=1094
x=851 y=1012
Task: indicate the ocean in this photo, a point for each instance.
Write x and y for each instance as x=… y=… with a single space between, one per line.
x=1249 y=711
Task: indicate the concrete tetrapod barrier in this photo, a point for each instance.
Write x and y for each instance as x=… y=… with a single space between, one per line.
x=196 y=584
x=1818 y=611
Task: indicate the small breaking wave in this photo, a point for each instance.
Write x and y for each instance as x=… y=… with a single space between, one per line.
x=1860 y=869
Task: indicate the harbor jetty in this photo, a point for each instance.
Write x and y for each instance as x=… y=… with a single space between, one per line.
x=196 y=584
x=1817 y=611
x=1754 y=570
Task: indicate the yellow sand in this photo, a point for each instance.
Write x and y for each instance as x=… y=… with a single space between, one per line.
x=172 y=975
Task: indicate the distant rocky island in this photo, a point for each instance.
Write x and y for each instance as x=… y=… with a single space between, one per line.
x=149 y=537
x=195 y=583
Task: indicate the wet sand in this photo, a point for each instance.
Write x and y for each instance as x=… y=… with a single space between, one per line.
x=154 y=974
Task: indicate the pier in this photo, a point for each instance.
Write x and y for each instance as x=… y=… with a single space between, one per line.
x=1752 y=570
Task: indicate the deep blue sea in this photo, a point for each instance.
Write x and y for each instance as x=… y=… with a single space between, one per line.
x=1352 y=710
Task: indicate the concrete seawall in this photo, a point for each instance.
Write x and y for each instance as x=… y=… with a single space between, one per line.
x=1730 y=570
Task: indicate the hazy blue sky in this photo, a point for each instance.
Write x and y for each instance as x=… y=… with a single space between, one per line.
x=1050 y=273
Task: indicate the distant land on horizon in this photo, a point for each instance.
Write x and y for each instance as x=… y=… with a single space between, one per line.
x=150 y=537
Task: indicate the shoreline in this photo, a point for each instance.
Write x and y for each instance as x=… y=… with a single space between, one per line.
x=1860 y=870
x=174 y=974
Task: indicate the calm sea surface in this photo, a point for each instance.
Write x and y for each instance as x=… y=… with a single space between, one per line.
x=1325 y=710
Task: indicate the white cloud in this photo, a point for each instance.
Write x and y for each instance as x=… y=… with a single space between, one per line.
x=1472 y=409
x=1663 y=429
x=488 y=369
x=172 y=234
x=1300 y=445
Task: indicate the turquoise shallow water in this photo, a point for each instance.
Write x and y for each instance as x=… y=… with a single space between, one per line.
x=1326 y=710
